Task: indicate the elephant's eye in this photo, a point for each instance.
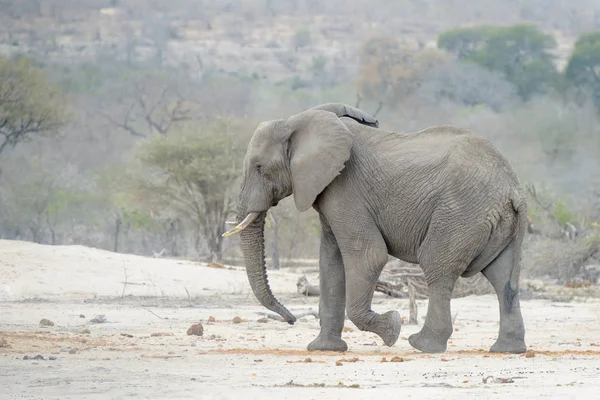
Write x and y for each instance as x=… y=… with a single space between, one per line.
x=259 y=168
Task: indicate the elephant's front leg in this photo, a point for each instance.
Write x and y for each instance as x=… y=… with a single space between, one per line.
x=365 y=255
x=333 y=295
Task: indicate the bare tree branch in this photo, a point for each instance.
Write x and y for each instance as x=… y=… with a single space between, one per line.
x=126 y=124
x=358 y=100
x=379 y=107
x=158 y=115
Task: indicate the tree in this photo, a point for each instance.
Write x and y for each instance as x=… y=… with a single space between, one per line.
x=152 y=105
x=29 y=103
x=390 y=72
x=301 y=39
x=44 y=205
x=463 y=42
x=521 y=53
x=467 y=84
x=191 y=173
x=583 y=67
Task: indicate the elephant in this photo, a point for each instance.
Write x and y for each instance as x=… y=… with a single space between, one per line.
x=443 y=197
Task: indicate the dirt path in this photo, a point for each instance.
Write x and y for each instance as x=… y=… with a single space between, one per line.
x=141 y=350
x=144 y=352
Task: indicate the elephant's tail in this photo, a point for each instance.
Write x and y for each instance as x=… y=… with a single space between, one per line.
x=519 y=204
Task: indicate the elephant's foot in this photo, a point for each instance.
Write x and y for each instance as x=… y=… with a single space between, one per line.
x=325 y=342
x=515 y=346
x=388 y=327
x=429 y=341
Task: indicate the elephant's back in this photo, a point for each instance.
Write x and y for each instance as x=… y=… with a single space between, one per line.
x=458 y=149
x=477 y=175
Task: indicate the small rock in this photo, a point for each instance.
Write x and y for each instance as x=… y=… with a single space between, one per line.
x=236 y=320
x=72 y=351
x=347 y=329
x=98 y=319
x=529 y=354
x=46 y=322
x=81 y=316
x=85 y=331
x=126 y=335
x=157 y=334
x=211 y=319
x=263 y=320
x=51 y=358
x=4 y=343
x=38 y=357
x=196 y=329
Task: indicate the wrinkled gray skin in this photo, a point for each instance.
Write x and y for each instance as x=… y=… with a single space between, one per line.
x=442 y=197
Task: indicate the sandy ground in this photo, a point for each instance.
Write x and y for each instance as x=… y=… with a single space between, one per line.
x=142 y=350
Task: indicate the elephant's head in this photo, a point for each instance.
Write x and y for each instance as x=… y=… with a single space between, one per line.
x=300 y=155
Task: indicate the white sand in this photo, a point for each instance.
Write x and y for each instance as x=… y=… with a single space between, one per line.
x=252 y=359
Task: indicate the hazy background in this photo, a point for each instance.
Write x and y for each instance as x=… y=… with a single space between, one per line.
x=123 y=123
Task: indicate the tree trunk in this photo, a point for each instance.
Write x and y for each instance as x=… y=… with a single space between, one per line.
x=412 y=304
x=117 y=233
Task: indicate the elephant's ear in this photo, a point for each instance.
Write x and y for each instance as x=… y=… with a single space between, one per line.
x=319 y=145
x=344 y=110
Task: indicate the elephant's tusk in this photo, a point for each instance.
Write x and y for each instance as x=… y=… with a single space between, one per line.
x=232 y=223
x=242 y=225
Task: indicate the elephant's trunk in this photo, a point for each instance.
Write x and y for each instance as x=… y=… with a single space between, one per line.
x=253 y=246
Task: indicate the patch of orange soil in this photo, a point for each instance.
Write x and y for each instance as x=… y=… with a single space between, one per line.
x=40 y=341
x=458 y=353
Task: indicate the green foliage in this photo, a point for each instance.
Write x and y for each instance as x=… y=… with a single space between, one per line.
x=83 y=78
x=41 y=202
x=196 y=160
x=301 y=38
x=318 y=65
x=464 y=43
x=62 y=202
x=191 y=174
x=520 y=52
x=299 y=83
x=29 y=103
x=583 y=67
x=563 y=214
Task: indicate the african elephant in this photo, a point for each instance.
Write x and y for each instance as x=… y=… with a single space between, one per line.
x=443 y=197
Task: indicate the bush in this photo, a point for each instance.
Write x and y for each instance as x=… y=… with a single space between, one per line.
x=582 y=68
x=468 y=85
x=190 y=175
x=29 y=103
x=521 y=53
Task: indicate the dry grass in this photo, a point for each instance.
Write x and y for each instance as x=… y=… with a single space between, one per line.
x=561 y=259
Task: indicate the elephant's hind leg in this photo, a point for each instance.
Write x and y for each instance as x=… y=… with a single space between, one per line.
x=433 y=336
x=333 y=294
x=364 y=258
x=511 y=336
x=444 y=255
